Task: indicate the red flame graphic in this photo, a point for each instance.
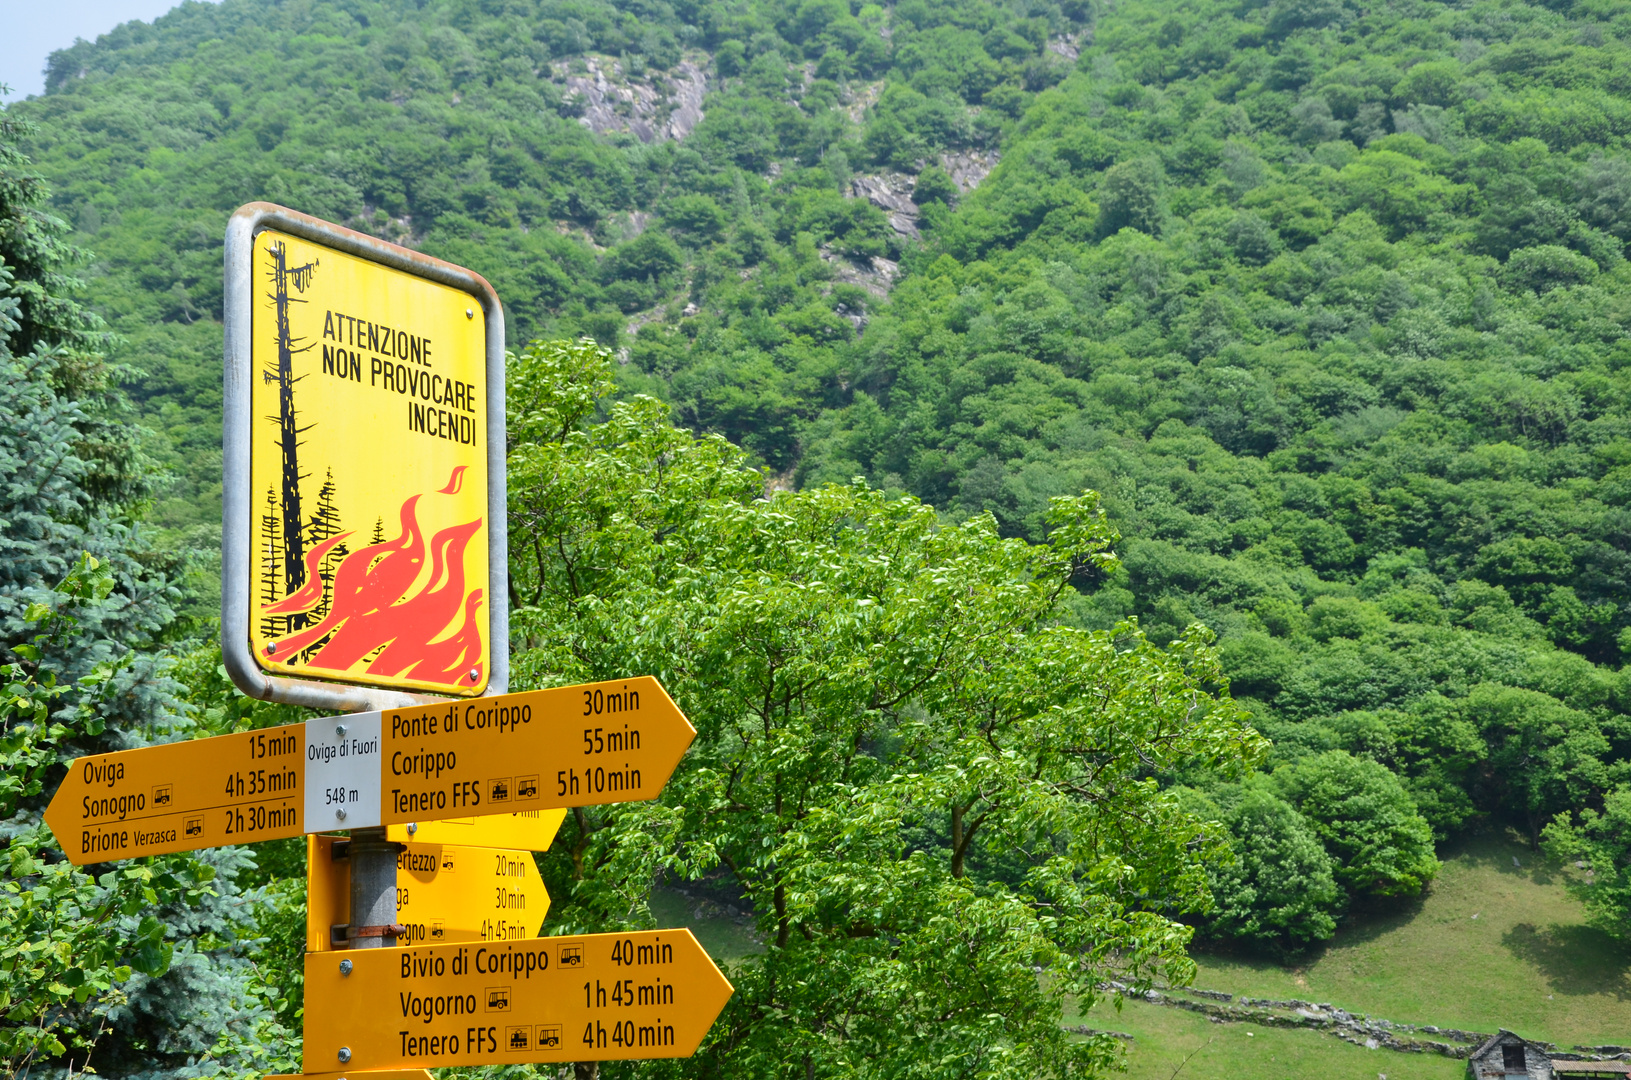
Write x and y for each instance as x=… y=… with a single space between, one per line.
x=371 y=607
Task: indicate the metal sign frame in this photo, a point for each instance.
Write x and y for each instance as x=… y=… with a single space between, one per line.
x=246 y=223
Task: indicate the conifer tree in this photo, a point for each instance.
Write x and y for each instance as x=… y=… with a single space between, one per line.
x=325 y=523
x=270 y=562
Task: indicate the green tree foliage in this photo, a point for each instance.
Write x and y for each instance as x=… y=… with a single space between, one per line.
x=1279 y=891
x=1332 y=324
x=450 y=126
x=58 y=956
x=926 y=788
x=934 y=186
x=1380 y=845
x=1130 y=197
x=1599 y=843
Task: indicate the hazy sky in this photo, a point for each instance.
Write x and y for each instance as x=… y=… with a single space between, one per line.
x=31 y=30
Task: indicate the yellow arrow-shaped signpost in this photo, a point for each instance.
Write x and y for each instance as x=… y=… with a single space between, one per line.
x=512 y=754
x=572 y=746
x=600 y=997
x=230 y=789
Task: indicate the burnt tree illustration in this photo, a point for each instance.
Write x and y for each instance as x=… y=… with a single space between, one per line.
x=281 y=372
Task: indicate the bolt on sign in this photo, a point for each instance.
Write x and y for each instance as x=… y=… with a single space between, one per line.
x=489 y=759
x=600 y=997
x=364 y=507
x=445 y=893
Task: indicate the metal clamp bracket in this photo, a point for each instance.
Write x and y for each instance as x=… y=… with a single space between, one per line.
x=341 y=933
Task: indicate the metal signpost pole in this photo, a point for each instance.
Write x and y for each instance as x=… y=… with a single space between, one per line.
x=373 y=889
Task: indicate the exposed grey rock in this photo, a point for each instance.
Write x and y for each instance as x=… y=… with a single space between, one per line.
x=1070 y=46
x=1367 y=1031
x=659 y=106
x=968 y=167
x=862 y=98
x=876 y=275
x=1083 y=1029
x=891 y=193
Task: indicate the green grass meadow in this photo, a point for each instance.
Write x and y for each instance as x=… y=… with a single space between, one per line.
x=1527 y=962
x=1170 y=1044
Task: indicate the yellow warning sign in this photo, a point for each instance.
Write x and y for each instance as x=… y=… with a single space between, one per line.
x=647 y=994
x=369 y=532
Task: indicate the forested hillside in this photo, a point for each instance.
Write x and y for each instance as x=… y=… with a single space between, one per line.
x=466 y=129
x=1327 y=300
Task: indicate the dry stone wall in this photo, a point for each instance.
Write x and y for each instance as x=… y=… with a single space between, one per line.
x=1368 y=1031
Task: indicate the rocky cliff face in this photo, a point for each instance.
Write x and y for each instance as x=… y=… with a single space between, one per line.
x=969 y=167
x=652 y=107
x=892 y=192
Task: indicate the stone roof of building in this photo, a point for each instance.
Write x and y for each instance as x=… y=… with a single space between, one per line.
x=1591 y=1067
x=1484 y=1047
